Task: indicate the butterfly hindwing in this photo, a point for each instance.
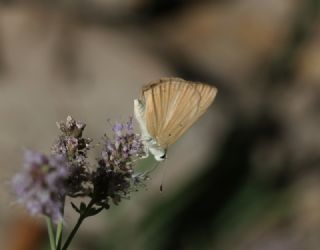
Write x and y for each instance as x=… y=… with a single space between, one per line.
x=173 y=105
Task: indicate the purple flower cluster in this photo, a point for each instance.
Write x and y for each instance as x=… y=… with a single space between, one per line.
x=121 y=151
x=74 y=147
x=112 y=179
x=41 y=185
x=45 y=181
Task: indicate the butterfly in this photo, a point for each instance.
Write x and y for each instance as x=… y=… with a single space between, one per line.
x=167 y=108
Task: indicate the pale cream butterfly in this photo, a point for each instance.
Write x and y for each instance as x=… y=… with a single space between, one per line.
x=167 y=108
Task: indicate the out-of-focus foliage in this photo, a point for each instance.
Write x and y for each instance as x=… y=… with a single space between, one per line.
x=257 y=184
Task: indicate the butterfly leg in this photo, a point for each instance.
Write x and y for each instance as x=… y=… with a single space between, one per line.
x=146 y=152
x=145 y=175
x=146 y=142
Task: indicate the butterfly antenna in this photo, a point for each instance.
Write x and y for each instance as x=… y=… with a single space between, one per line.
x=152 y=169
x=147 y=172
x=164 y=171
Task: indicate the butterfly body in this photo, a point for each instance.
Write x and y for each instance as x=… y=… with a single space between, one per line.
x=150 y=143
x=167 y=108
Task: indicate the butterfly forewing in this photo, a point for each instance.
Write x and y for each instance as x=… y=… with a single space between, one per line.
x=156 y=97
x=173 y=105
x=183 y=105
x=208 y=93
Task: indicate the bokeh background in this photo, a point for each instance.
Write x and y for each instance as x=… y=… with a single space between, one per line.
x=245 y=177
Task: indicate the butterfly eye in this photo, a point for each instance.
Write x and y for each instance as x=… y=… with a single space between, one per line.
x=164 y=156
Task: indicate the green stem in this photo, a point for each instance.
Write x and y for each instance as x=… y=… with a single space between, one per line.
x=60 y=228
x=50 y=233
x=82 y=216
x=59 y=234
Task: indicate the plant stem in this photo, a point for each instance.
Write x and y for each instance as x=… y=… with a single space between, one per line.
x=60 y=228
x=76 y=227
x=50 y=233
x=59 y=234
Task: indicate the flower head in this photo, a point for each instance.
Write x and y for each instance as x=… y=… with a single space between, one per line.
x=112 y=179
x=41 y=184
x=123 y=149
x=74 y=147
x=71 y=127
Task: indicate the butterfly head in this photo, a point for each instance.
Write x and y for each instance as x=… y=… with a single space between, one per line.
x=159 y=153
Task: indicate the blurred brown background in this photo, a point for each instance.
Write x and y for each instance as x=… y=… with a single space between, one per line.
x=245 y=177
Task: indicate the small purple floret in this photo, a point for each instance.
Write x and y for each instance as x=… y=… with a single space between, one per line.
x=126 y=146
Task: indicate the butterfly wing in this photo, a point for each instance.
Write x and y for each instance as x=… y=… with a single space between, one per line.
x=207 y=93
x=173 y=105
